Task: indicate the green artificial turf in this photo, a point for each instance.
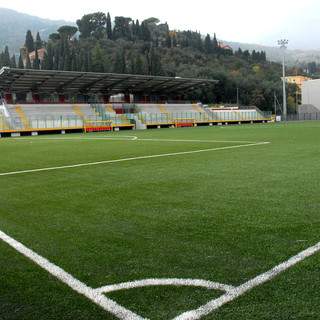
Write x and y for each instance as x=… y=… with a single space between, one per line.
x=226 y=215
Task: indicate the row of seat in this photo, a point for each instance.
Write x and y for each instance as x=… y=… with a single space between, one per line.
x=28 y=116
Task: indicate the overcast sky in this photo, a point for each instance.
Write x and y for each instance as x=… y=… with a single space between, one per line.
x=248 y=21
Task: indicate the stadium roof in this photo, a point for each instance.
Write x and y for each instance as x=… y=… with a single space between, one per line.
x=48 y=81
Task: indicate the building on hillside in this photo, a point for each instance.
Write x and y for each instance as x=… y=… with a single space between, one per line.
x=221 y=45
x=32 y=55
x=41 y=53
x=297 y=80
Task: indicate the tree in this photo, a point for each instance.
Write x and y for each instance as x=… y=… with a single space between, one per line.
x=154 y=62
x=109 y=27
x=47 y=62
x=90 y=64
x=56 y=61
x=136 y=29
x=258 y=99
x=119 y=65
x=145 y=34
x=74 y=62
x=208 y=44
x=93 y=25
x=98 y=59
x=29 y=41
x=168 y=40
x=54 y=36
x=174 y=41
x=66 y=55
x=215 y=47
x=13 y=63
x=39 y=43
x=312 y=67
x=84 y=61
x=35 y=63
x=121 y=28
x=151 y=20
x=28 y=63
x=67 y=32
x=6 y=57
x=20 y=63
x=139 y=65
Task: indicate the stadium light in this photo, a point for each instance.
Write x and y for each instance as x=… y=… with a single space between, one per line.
x=283 y=45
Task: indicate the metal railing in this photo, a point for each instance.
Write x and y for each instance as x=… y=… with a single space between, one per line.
x=301 y=117
x=7 y=115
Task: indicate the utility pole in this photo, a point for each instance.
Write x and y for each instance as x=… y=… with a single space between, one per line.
x=283 y=45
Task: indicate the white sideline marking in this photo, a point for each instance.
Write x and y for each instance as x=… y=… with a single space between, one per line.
x=121 y=138
x=130 y=159
x=97 y=296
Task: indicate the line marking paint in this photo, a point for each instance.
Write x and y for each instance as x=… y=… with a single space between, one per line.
x=97 y=296
x=240 y=290
x=78 y=286
x=133 y=158
x=166 y=282
x=131 y=138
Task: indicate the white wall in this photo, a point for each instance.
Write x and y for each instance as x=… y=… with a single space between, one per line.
x=311 y=92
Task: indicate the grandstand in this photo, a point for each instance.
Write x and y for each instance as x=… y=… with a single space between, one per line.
x=39 y=101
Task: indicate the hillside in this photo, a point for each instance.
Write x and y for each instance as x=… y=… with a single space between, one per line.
x=293 y=57
x=14 y=25
x=122 y=45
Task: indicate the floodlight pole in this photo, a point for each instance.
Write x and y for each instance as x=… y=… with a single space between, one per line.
x=283 y=45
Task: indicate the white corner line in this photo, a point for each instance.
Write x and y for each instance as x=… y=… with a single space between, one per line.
x=243 y=288
x=131 y=159
x=78 y=286
x=97 y=296
x=166 y=282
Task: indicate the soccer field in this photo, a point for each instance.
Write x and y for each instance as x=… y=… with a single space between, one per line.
x=218 y=222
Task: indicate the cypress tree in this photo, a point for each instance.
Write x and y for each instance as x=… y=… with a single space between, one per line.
x=132 y=69
x=154 y=62
x=119 y=65
x=35 y=64
x=28 y=63
x=74 y=64
x=138 y=65
x=215 y=47
x=84 y=61
x=13 y=63
x=56 y=59
x=109 y=27
x=90 y=68
x=145 y=32
x=98 y=58
x=168 y=41
x=20 y=63
x=137 y=29
x=49 y=62
x=61 y=63
x=174 y=41
x=66 y=54
x=208 y=44
x=29 y=41
x=6 y=57
x=43 y=64
x=39 y=43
